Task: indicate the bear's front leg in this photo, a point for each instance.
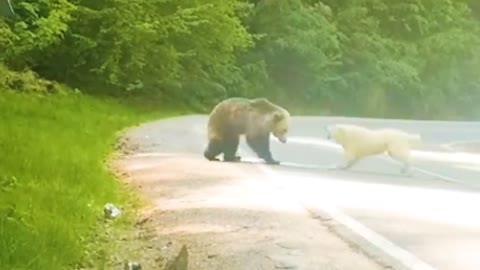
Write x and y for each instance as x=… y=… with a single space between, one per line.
x=230 y=149
x=214 y=148
x=261 y=146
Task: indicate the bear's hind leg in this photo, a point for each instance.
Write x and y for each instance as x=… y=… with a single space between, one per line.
x=230 y=149
x=261 y=146
x=214 y=148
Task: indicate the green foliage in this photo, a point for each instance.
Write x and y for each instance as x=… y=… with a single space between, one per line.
x=300 y=46
x=53 y=182
x=416 y=58
x=28 y=82
x=183 y=49
x=43 y=25
x=412 y=58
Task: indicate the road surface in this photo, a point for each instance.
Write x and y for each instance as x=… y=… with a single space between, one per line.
x=428 y=221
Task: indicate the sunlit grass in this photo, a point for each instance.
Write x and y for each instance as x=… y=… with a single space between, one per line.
x=53 y=177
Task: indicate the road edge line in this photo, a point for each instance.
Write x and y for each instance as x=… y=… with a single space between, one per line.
x=387 y=247
x=331 y=145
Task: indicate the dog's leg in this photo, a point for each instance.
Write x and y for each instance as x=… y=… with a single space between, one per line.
x=348 y=161
x=403 y=157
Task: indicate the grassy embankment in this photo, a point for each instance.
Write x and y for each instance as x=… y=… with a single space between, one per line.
x=53 y=177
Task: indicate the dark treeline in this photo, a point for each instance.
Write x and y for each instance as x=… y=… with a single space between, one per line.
x=412 y=58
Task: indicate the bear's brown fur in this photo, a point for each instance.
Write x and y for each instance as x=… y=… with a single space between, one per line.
x=254 y=118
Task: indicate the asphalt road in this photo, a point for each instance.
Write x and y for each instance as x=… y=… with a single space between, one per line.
x=427 y=221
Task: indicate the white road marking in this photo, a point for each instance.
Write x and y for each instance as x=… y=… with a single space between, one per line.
x=403 y=256
x=301 y=165
x=284 y=163
x=428 y=155
x=454 y=157
x=462 y=142
x=314 y=141
x=153 y=154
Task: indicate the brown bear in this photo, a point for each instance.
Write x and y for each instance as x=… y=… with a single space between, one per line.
x=254 y=118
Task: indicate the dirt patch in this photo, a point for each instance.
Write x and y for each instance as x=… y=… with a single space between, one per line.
x=227 y=216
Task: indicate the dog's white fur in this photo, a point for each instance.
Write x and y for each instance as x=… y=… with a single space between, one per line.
x=359 y=142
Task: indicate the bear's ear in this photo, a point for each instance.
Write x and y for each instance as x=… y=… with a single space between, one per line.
x=278 y=116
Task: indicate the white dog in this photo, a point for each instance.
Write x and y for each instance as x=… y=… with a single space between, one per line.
x=360 y=142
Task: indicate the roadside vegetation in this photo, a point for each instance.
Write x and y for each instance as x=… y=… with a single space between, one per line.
x=73 y=73
x=53 y=181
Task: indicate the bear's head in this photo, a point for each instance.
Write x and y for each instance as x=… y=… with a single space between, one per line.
x=280 y=125
x=277 y=118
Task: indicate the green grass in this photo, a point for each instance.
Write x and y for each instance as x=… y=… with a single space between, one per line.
x=53 y=177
